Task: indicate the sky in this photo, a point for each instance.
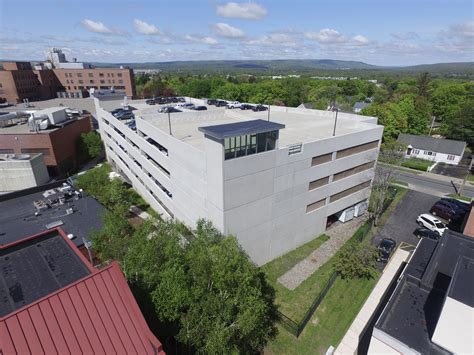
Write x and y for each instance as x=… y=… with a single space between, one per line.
x=382 y=32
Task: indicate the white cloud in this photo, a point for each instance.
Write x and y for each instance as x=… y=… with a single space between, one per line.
x=326 y=35
x=465 y=29
x=225 y=30
x=248 y=10
x=458 y=38
x=359 y=39
x=145 y=28
x=99 y=27
x=405 y=35
x=276 y=39
x=201 y=39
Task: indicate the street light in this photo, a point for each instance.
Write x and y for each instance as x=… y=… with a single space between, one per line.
x=335 y=120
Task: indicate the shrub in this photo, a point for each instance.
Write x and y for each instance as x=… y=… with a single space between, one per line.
x=417 y=164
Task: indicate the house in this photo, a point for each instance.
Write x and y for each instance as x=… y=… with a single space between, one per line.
x=359 y=106
x=271 y=178
x=434 y=149
x=430 y=310
x=55 y=302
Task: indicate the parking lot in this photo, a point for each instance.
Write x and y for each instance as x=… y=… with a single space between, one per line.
x=402 y=222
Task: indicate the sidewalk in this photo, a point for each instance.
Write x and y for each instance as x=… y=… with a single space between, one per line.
x=338 y=235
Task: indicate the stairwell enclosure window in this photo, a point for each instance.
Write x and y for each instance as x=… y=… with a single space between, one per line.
x=239 y=146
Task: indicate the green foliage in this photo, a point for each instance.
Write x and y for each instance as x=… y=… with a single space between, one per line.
x=205 y=282
x=417 y=164
x=356 y=260
x=89 y=145
x=417 y=110
x=391 y=116
x=461 y=126
x=113 y=194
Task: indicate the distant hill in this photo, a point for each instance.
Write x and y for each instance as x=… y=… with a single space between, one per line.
x=298 y=66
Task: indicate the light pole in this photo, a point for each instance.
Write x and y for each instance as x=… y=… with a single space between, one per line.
x=169 y=122
x=335 y=121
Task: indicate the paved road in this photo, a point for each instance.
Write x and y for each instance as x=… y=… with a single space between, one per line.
x=402 y=222
x=432 y=186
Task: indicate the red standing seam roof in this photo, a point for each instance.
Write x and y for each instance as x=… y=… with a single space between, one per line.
x=95 y=315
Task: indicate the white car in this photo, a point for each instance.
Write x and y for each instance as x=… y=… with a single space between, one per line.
x=233 y=104
x=431 y=222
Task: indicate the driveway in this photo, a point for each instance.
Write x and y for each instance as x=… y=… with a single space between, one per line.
x=456 y=171
x=402 y=222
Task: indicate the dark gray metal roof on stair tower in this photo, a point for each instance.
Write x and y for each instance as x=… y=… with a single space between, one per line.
x=240 y=128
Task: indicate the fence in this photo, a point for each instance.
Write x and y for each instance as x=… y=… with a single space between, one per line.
x=296 y=328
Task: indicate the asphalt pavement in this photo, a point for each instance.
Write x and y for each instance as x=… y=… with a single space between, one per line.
x=402 y=222
x=436 y=187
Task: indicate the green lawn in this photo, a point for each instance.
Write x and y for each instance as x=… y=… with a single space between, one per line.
x=464 y=198
x=337 y=311
x=417 y=164
x=470 y=178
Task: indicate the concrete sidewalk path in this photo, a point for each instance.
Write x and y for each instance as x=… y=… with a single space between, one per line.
x=338 y=235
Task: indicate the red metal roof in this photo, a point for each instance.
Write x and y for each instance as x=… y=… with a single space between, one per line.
x=96 y=314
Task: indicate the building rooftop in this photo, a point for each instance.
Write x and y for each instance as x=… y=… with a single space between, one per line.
x=240 y=128
x=301 y=126
x=20 y=126
x=18 y=218
x=414 y=308
x=439 y=145
x=35 y=267
x=53 y=301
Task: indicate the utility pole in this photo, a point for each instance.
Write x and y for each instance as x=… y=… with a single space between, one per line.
x=465 y=177
x=335 y=122
x=268 y=119
x=169 y=122
x=432 y=124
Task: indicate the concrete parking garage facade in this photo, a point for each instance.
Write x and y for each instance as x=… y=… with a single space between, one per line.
x=274 y=199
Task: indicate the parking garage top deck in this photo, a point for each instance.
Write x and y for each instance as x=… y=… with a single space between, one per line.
x=300 y=126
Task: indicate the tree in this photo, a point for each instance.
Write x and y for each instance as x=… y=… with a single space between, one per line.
x=89 y=145
x=417 y=110
x=356 y=260
x=461 y=127
x=447 y=101
x=206 y=283
x=422 y=84
x=391 y=154
x=390 y=116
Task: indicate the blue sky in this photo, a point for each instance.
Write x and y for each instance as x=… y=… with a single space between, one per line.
x=384 y=32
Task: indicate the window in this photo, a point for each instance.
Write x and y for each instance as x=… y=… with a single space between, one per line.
x=91 y=75
x=318 y=183
x=451 y=157
x=239 y=146
x=352 y=171
x=119 y=75
x=320 y=159
x=120 y=81
x=81 y=81
x=79 y=75
x=315 y=205
x=416 y=151
x=357 y=149
x=91 y=81
x=7 y=151
x=102 y=81
x=101 y=75
x=350 y=191
x=44 y=151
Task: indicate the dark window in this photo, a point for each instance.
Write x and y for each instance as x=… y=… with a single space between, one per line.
x=315 y=205
x=357 y=149
x=249 y=144
x=355 y=170
x=7 y=151
x=320 y=159
x=318 y=183
x=350 y=191
x=91 y=75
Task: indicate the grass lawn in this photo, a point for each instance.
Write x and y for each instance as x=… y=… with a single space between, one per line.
x=398 y=182
x=470 y=178
x=464 y=198
x=338 y=309
x=417 y=164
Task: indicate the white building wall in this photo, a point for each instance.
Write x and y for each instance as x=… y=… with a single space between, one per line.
x=438 y=157
x=22 y=174
x=261 y=198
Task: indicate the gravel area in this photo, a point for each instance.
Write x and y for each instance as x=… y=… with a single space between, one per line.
x=338 y=235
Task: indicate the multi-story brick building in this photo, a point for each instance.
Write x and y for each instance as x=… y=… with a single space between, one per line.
x=56 y=144
x=19 y=81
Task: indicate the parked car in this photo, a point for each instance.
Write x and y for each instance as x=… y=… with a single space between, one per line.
x=259 y=108
x=443 y=210
x=233 y=104
x=246 y=107
x=132 y=125
x=212 y=102
x=385 y=248
x=199 y=108
x=221 y=103
x=168 y=109
x=124 y=115
x=432 y=223
x=456 y=204
x=187 y=106
x=150 y=102
x=181 y=99
x=117 y=110
x=423 y=232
